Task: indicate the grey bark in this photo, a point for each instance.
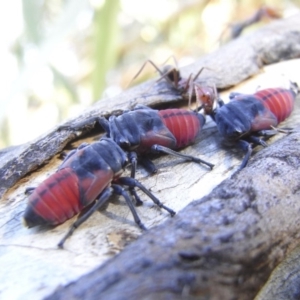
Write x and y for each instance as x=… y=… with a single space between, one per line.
x=284 y=282
x=222 y=246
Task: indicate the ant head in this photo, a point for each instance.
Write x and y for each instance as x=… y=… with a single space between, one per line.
x=172 y=73
x=206 y=96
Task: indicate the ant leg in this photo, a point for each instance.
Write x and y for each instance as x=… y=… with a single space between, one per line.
x=143 y=66
x=102 y=198
x=286 y=130
x=171 y=74
x=189 y=87
x=132 y=182
x=121 y=191
x=158 y=148
x=172 y=80
x=174 y=58
x=198 y=73
x=275 y=130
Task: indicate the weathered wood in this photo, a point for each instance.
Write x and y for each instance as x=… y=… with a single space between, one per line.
x=30 y=257
x=223 y=246
x=275 y=42
x=283 y=283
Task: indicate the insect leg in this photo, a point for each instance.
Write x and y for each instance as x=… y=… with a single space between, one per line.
x=132 y=182
x=148 y=165
x=246 y=147
x=133 y=160
x=117 y=189
x=198 y=73
x=143 y=66
x=189 y=88
x=275 y=130
x=171 y=74
x=267 y=132
x=258 y=141
x=102 y=198
x=166 y=150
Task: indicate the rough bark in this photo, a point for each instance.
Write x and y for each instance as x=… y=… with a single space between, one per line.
x=229 y=65
x=283 y=283
x=238 y=227
x=223 y=246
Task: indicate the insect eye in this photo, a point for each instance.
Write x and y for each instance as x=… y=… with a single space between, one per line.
x=124 y=143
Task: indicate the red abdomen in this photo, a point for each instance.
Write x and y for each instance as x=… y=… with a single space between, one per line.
x=279 y=101
x=55 y=200
x=64 y=194
x=185 y=125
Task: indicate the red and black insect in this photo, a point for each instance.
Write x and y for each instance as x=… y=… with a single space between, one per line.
x=145 y=130
x=88 y=176
x=246 y=117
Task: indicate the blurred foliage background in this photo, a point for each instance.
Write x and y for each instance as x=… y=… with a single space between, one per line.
x=59 y=56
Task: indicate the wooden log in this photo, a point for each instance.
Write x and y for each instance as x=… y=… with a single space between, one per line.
x=229 y=65
x=222 y=246
x=283 y=283
x=30 y=257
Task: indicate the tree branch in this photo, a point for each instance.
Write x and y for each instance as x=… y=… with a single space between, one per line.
x=229 y=65
x=223 y=246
